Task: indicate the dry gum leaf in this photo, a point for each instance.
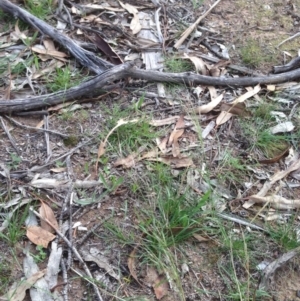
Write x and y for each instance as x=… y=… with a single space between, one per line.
x=47 y=214
x=19 y=293
x=39 y=236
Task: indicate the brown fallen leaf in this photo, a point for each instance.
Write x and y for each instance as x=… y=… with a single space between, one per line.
x=47 y=214
x=210 y=106
x=199 y=64
x=200 y=238
x=162 y=144
x=54 y=53
x=132 y=266
x=39 y=236
x=18 y=293
x=161 y=287
x=127 y=162
x=135 y=24
x=151 y=154
x=248 y=94
x=223 y=118
x=178 y=130
x=158 y=282
x=238 y=109
x=107 y=50
x=174 y=162
x=58 y=169
x=275 y=159
x=166 y=121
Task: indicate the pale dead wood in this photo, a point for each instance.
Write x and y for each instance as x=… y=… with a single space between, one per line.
x=270 y=270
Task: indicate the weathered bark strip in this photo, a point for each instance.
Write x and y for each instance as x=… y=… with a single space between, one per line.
x=85 y=58
x=88 y=88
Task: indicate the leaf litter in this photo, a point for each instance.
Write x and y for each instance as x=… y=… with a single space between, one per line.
x=176 y=113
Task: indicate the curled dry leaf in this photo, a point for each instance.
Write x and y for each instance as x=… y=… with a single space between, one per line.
x=135 y=24
x=18 y=293
x=210 y=106
x=223 y=118
x=198 y=63
x=162 y=144
x=158 y=282
x=132 y=266
x=47 y=214
x=238 y=109
x=248 y=94
x=178 y=130
x=166 y=121
x=274 y=159
x=200 y=238
x=54 y=53
x=174 y=162
x=39 y=236
x=58 y=169
x=126 y=162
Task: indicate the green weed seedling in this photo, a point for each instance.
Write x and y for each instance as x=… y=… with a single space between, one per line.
x=197 y=3
x=40 y=256
x=177 y=65
x=231 y=170
x=15 y=229
x=285 y=234
x=235 y=269
x=15 y=161
x=5 y=274
x=62 y=79
x=253 y=54
x=259 y=137
x=40 y=9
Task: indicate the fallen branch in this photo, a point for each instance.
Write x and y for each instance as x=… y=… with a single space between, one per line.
x=85 y=58
x=97 y=65
x=88 y=88
x=91 y=88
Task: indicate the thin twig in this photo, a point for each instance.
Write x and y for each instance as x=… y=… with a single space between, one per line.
x=90 y=232
x=74 y=250
x=70 y=259
x=65 y=279
x=289 y=39
x=34 y=128
x=9 y=136
x=37 y=168
x=46 y=126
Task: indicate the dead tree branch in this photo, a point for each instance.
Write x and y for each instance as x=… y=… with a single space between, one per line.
x=99 y=66
x=84 y=57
